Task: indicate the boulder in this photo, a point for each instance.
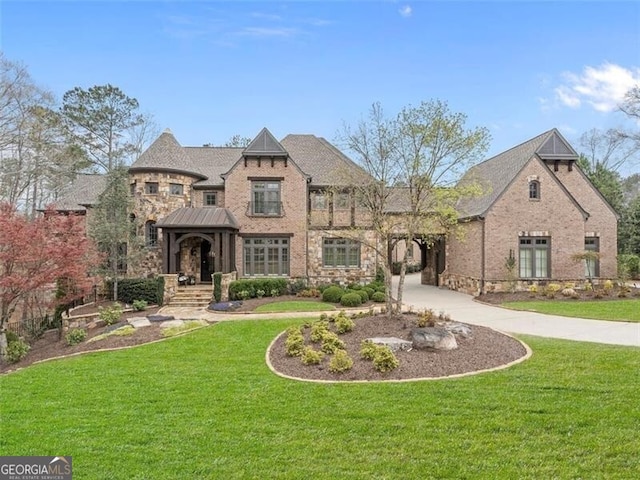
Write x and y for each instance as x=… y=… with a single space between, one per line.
x=393 y=343
x=457 y=328
x=160 y=318
x=138 y=322
x=433 y=338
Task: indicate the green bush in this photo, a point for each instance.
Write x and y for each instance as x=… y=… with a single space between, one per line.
x=384 y=359
x=253 y=285
x=296 y=286
x=631 y=265
x=11 y=336
x=364 y=296
x=368 y=349
x=75 y=336
x=340 y=362
x=331 y=343
x=140 y=305
x=318 y=330
x=344 y=324
x=378 y=297
x=129 y=289
x=294 y=344
x=370 y=291
x=17 y=350
x=354 y=286
x=217 y=286
x=351 y=299
x=310 y=356
x=332 y=294
x=110 y=315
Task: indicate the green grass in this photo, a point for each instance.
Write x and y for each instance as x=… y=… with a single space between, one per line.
x=205 y=406
x=295 y=306
x=618 y=310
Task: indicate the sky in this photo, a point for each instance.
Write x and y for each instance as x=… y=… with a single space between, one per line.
x=213 y=69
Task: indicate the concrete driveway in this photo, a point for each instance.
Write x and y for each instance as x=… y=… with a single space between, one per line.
x=462 y=308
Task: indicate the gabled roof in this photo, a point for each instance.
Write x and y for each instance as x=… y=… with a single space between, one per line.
x=212 y=162
x=203 y=217
x=83 y=191
x=166 y=154
x=496 y=174
x=264 y=144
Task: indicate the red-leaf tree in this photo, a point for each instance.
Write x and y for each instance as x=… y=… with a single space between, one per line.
x=35 y=254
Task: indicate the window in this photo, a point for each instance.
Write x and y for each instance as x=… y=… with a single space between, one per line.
x=592 y=265
x=534 y=190
x=266 y=198
x=266 y=256
x=534 y=257
x=318 y=201
x=151 y=188
x=132 y=188
x=210 y=199
x=342 y=201
x=151 y=234
x=340 y=252
x=176 y=189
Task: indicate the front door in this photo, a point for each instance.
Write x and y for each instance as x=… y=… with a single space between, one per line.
x=205 y=261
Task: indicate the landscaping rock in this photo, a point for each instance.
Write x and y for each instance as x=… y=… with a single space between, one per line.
x=394 y=343
x=97 y=323
x=113 y=327
x=458 y=328
x=160 y=318
x=433 y=338
x=172 y=323
x=138 y=322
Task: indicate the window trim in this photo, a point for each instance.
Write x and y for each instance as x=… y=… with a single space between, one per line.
x=534 y=247
x=534 y=190
x=171 y=188
x=592 y=247
x=267 y=192
x=215 y=199
x=330 y=252
x=150 y=234
x=281 y=246
x=147 y=188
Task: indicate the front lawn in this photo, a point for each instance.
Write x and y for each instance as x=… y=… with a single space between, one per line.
x=295 y=306
x=205 y=406
x=619 y=310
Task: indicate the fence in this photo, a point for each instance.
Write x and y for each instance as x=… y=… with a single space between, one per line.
x=32 y=327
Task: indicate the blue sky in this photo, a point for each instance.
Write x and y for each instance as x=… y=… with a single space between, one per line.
x=209 y=70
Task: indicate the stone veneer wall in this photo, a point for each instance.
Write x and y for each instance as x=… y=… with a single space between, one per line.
x=170 y=287
x=319 y=274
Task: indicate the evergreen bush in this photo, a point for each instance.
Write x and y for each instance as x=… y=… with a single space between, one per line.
x=217 y=286
x=332 y=294
x=351 y=299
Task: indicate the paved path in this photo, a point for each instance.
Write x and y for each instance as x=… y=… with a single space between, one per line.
x=462 y=308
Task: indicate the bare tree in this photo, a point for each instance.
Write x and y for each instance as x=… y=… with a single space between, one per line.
x=609 y=150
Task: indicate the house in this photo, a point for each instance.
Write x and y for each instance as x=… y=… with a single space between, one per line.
x=283 y=208
x=539 y=209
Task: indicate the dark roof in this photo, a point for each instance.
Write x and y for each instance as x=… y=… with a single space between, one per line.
x=84 y=190
x=495 y=174
x=166 y=154
x=212 y=162
x=203 y=217
x=264 y=144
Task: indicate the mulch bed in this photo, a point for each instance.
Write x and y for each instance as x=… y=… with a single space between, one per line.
x=487 y=349
x=502 y=297
x=251 y=304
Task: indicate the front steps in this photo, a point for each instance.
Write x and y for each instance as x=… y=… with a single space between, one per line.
x=192 y=296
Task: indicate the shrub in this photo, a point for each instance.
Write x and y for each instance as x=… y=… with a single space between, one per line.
x=364 y=296
x=368 y=349
x=533 y=290
x=260 y=293
x=351 y=299
x=332 y=294
x=551 y=290
x=296 y=286
x=309 y=293
x=318 y=330
x=124 y=331
x=310 y=356
x=607 y=286
x=331 y=343
x=110 y=315
x=588 y=287
x=17 y=350
x=568 y=292
x=380 y=275
x=274 y=292
x=11 y=336
x=426 y=319
x=378 y=297
x=344 y=324
x=130 y=289
x=252 y=286
x=370 y=291
x=630 y=264
x=384 y=359
x=140 y=305
x=340 y=362
x=217 y=286
x=75 y=336
x=294 y=344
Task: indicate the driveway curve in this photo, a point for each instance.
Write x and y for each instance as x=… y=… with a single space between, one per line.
x=463 y=308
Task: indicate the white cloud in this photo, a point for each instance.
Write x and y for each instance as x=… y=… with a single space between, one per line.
x=603 y=87
x=268 y=32
x=406 y=11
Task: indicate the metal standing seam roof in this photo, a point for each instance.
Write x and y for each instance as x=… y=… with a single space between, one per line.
x=202 y=217
x=264 y=144
x=496 y=173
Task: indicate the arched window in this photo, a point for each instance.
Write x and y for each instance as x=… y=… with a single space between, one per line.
x=534 y=190
x=151 y=234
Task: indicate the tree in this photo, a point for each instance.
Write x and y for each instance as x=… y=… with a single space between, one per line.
x=607 y=181
x=101 y=120
x=610 y=149
x=236 y=141
x=629 y=229
x=413 y=159
x=35 y=254
x=113 y=228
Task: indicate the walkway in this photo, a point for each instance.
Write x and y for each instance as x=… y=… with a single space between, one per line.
x=462 y=308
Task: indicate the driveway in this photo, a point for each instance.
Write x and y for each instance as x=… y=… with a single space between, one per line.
x=462 y=308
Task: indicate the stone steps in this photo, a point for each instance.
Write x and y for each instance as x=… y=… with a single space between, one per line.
x=192 y=296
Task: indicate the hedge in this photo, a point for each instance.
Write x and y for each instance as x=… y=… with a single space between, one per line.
x=129 y=289
x=251 y=286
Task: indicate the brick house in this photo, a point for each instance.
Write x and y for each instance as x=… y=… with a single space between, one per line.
x=277 y=208
x=538 y=208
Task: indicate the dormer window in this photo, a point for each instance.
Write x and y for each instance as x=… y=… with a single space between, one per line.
x=534 y=190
